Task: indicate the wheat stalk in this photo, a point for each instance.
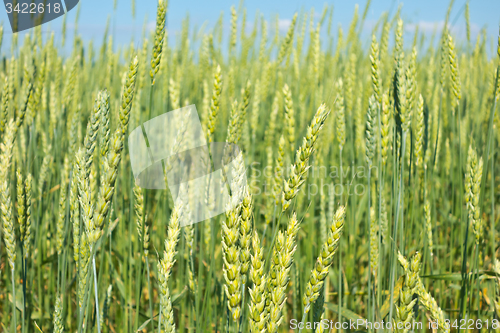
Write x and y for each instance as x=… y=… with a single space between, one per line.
x=497 y=301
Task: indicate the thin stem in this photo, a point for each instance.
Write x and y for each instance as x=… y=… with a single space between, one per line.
x=96 y=296
x=242 y=308
x=23 y=274
x=304 y=314
x=380 y=180
x=150 y=296
x=370 y=308
x=340 y=251
x=394 y=242
x=265 y=227
x=463 y=289
x=159 y=320
x=492 y=199
x=13 y=299
x=477 y=281
x=271 y=245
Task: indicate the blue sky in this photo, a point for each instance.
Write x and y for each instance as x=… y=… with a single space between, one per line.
x=426 y=13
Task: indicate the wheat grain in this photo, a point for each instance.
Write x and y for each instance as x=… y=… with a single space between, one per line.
x=245 y=233
x=279 y=172
x=375 y=70
x=105 y=307
x=371 y=129
x=411 y=82
x=289 y=115
x=164 y=269
x=60 y=224
x=385 y=128
x=324 y=261
x=419 y=141
x=374 y=242
x=404 y=311
x=258 y=315
x=472 y=187
x=21 y=205
x=127 y=96
x=174 y=92
x=5 y=105
x=214 y=103
x=455 y=75
x=8 y=223
x=233 y=37
x=287 y=41
x=159 y=38
x=139 y=215
x=298 y=170
x=58 y=321
x=104 y=122
x=231 y=260
x=281 y=263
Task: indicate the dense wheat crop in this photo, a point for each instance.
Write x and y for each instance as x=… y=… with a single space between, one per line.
x=372 y=167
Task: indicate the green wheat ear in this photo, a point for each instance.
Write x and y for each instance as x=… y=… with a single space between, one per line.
x=404 y=311
x=285 y=45
x=472 y=187
x=324 y=261
x=292 y=186
x=165 y=265
x=289 y=115
x=258 y=315
x=214 y=103
x=58 y=320
x=9 y=235
x=159 y=39
x=279 y=274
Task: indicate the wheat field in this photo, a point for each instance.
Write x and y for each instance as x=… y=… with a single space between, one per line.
x=372 y=201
